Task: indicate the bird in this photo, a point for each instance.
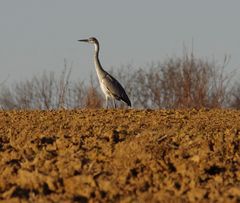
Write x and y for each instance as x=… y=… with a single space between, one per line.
x=111 y=88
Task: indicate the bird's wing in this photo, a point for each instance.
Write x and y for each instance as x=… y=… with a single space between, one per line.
x=115 y=88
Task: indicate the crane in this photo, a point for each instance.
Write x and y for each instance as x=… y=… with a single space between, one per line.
x=109 y=85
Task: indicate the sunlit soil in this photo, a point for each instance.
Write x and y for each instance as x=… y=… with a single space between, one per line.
x=120 y=156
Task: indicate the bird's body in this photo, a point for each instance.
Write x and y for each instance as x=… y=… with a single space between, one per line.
x=109 y=85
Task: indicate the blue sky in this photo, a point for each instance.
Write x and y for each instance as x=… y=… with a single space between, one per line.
x=39 y=35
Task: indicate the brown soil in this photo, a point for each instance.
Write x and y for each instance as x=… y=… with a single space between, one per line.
x=120 y=156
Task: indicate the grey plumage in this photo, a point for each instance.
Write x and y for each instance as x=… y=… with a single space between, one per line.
x=109 y=85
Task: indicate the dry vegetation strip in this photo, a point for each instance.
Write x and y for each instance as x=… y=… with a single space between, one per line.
x=120 y=156
x=186 y=82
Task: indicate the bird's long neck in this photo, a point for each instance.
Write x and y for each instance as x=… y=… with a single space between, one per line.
x=98 y=67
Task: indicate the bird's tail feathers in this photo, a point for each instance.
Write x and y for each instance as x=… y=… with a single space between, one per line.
x=127 y=100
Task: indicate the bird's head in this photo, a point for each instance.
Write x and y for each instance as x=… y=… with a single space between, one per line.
x=91 y=40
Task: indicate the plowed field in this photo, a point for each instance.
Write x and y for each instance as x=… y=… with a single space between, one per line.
x=120 y=156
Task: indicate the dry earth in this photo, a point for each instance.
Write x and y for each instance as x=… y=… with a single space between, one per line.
x=120 y=156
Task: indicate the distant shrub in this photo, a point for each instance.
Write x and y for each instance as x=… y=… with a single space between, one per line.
x=186 y=82
x=235 y=96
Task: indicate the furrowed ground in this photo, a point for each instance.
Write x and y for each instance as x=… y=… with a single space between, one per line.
x=120 y=156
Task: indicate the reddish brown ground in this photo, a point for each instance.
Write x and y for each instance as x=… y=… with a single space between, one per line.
x=120 y=156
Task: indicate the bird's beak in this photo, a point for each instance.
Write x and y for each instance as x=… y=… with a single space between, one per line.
x=83 y=40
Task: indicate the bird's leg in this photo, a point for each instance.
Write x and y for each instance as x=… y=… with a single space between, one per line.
x=114 y=103
x=106 y=102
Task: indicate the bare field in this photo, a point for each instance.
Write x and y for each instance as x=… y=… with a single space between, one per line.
x=120 y=156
